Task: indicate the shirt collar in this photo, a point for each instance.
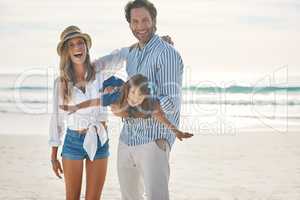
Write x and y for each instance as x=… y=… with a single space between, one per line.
x=151 y=44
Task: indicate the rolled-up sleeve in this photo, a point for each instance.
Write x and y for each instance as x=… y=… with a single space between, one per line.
x=169 y=80
x=56 y=127
x=166 y=104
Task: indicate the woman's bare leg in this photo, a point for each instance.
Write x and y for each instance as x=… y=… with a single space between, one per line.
x=95 y=177
x=73 y=178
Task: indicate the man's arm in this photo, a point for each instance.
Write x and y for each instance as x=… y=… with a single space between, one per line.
x=169 y=80
x=113 y=61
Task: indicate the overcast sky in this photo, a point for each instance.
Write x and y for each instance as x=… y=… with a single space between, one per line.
x=217 y=39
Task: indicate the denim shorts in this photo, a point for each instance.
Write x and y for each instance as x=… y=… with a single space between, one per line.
x=73 y=147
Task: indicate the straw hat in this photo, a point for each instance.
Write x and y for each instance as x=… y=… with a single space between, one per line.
x=72 y=32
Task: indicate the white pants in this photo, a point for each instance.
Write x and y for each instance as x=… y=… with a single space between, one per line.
x=143 y=168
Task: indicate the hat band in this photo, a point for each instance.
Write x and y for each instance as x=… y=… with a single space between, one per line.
x=70 y=34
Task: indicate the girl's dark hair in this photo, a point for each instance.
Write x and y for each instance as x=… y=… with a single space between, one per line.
x=140 y=4
x=147 y=105
x=141 y=82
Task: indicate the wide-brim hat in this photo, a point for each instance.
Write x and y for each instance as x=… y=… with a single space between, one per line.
x=72 y=32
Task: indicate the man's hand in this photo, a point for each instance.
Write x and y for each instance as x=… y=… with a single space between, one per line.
x=167 y=39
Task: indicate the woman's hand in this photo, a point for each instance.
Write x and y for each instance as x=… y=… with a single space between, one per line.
x=70 y=109
x=56 y=167
x=183 y=135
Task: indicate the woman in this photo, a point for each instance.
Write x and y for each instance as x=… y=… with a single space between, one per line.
x=78 y=82
x=86 y=137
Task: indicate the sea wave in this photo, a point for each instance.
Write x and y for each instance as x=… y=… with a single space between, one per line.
x=197 y=101
x=242 y=102
x=200 y=89
x=241 y=89
x=25 y=88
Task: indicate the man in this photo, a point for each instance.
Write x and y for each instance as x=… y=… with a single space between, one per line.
x=143 y=152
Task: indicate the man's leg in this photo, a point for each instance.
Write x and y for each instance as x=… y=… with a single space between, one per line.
x=130 y=179
x=155 y=167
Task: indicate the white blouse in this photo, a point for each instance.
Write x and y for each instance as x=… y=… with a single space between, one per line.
x=82 y=119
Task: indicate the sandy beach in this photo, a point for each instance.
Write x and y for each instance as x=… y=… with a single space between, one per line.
x=251 y=164
x=240 y=93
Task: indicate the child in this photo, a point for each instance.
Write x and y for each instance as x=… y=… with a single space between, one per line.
x=130 y=99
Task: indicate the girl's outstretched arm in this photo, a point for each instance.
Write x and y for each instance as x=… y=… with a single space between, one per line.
x=84 y=104
x=89 y=103
x=159 y=115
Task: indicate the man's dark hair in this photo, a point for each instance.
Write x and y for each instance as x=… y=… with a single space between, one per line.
x=140 y=4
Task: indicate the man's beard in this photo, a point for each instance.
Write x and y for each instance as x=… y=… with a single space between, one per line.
x=145 y=40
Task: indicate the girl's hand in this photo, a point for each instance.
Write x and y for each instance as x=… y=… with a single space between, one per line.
x=56 y=167
x=180 y=135
x=70 y=109
x=108 y=90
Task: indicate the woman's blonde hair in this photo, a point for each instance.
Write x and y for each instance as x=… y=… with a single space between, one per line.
x=67 y=73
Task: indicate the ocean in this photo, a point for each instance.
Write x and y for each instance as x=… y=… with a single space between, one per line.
x=236 y=106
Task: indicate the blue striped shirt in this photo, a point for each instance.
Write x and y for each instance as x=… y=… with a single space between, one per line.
x=163 y=67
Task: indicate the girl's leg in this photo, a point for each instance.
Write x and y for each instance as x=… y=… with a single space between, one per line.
x=73 y=178
x=95 y=177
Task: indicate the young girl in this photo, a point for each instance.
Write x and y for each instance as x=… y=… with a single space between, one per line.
x=130 y=99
